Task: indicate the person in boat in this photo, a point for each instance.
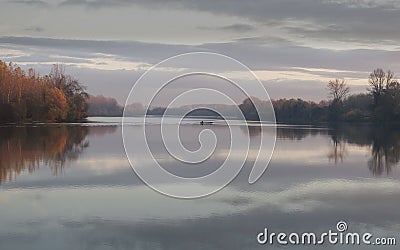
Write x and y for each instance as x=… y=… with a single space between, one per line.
x=206 y=123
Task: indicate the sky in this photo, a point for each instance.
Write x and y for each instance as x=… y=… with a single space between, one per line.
x=294 y=47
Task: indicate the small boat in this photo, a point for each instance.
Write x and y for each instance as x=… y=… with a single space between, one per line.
x=206 y=123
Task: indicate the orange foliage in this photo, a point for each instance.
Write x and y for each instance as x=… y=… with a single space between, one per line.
x=34 y=98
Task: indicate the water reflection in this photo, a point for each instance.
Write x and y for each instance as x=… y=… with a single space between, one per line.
x=385 y=152
x=338 y=151
x=101 y=130
x=383 y=143
x=253 y=130
x=100 y=204
x=27 y=148
x=297 y=133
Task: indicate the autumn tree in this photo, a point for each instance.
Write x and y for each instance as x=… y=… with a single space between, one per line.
x=29 y=97
x=73 y=91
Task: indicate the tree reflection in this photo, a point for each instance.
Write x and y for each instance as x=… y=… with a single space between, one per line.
x=337 y=152
x=383 y=141
x=296 y=133
x=385 y=151
x=26 y=148
x=253 y=130
x=101 y=130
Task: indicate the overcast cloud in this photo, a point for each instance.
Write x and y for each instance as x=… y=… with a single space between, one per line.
x=293 y=46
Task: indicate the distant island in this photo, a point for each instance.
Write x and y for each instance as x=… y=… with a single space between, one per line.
x=56 y=97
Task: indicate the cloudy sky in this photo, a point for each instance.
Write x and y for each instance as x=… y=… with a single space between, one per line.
x=293 y=46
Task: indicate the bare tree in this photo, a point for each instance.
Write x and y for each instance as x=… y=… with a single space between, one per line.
x=381 y=81
x=389 y=79
x=338 y=89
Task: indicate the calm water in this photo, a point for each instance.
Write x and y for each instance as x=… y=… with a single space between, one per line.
x=71 y=187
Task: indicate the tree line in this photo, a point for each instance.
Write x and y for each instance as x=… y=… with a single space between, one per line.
x=104 y=106
x=29 y=97
x=57 y=97
x=381 y=103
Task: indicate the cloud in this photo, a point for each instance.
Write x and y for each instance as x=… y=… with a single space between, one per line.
x=357 y=21
x=367 y=3
x=37 y=3
x=34 y=29
x=283 y=68
x=256 y=55
x=150 y=52
x=239 y=27
x=333 y=24
x=96 y=3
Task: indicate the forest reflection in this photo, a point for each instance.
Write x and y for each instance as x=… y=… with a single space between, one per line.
x=27 y=148
x=383 y=142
